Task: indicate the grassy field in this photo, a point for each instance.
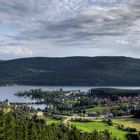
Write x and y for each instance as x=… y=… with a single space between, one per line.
x=51 y=121
x=98 y=108
x=128 y=122
x=100 y=126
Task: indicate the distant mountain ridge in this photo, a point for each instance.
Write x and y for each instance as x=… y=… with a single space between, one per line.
x=72 y=71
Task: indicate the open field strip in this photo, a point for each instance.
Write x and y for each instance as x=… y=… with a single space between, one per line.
x=128 y=122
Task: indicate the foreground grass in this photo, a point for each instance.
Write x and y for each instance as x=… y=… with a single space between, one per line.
x=100 y=126
x=128 y=122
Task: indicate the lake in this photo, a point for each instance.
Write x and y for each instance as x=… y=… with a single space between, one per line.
x=7 y=92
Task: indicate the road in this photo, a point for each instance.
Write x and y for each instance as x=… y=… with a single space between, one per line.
x=68 y=118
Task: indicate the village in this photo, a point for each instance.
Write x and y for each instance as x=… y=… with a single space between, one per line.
x=69 y=103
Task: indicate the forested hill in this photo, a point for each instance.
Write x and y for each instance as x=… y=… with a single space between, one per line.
x=95 y=71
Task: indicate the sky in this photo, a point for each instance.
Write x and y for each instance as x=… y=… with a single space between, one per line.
x=59 y=28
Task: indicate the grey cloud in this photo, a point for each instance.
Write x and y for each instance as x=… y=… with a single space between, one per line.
x=31 y=25
x=85 y=26
x=69 y=23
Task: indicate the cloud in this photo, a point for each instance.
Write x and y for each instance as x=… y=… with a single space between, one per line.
x=65 y=24
x=17 y=51
x=123 y=42
x=94 y=21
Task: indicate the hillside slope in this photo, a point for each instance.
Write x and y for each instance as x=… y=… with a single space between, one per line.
x=95 y=71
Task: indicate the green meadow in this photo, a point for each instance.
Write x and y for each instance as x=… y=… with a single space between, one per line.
x=100 y=126
x=51 y=121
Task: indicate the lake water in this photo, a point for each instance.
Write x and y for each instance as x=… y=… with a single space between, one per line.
x=7 y=92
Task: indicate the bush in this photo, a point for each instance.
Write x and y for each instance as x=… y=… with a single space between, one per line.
x=132 y=136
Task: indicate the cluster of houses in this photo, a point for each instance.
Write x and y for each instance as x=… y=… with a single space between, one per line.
x=130 y=103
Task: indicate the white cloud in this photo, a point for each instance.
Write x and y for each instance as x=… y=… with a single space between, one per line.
x=17 y=51
x=122 y=42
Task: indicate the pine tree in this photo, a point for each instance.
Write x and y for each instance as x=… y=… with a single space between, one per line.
x=32 y=131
